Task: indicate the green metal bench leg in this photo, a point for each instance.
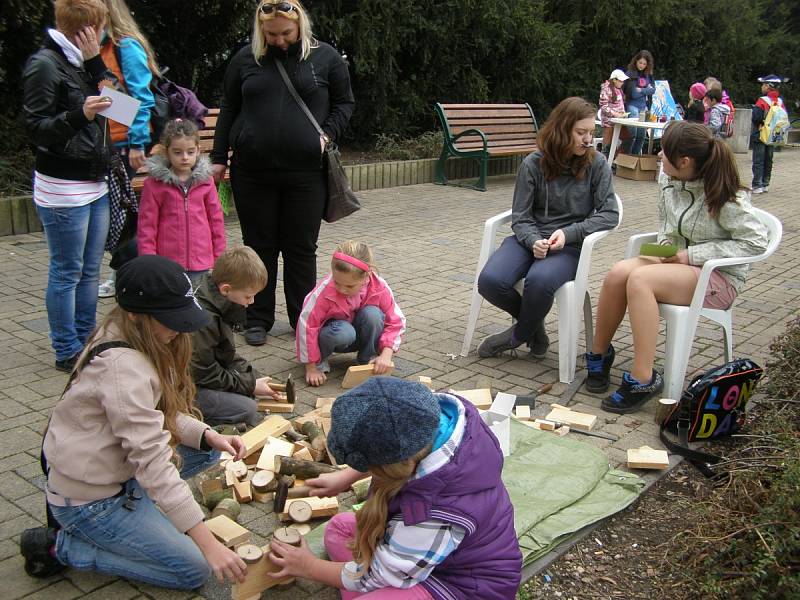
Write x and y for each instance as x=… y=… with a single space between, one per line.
x=440 y=175
x=484 y=171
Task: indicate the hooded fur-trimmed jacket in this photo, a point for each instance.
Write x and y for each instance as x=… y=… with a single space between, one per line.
x=181 y=220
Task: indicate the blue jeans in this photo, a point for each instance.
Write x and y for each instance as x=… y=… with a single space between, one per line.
x=128 y=536
x=360 y=336
x=762 y=164
x=638 y=134
x=75 y=240
x=511 y=262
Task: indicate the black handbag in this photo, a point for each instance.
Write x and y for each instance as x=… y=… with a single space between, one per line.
x=341 y=200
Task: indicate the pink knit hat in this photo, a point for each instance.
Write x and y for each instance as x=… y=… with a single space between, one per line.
x=697 y=91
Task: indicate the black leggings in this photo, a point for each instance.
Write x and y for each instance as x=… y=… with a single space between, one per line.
x=280 y=212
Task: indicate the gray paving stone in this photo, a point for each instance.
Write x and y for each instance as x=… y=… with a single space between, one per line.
x=61 y=590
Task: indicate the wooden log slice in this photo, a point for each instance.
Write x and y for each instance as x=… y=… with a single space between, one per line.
x=300 y=511
x=264 y=481
x=287 y=535
x=249 y=553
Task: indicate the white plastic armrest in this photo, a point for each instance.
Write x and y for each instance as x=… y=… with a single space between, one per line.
x=635 y=242
x=490 y=228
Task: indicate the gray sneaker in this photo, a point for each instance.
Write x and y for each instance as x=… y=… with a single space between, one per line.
x=106 y=289
x=497 y=343
x=539 y=342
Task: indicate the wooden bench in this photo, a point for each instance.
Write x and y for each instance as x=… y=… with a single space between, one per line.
x=481 y=131
x=206 y=144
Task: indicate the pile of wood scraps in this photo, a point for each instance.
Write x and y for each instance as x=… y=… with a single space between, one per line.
x=280 y=456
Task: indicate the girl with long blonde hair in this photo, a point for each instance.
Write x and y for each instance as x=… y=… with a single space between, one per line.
x=438 y=522
x=123 y=437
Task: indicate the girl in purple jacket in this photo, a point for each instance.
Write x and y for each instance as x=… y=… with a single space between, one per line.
x=438 y=523
x=179 y=214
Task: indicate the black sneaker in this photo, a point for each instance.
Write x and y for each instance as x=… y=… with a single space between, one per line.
x=631 y=394
x=539 y=342
x=599 y=366
x=255 y=336
x=497 y=343
x=68 y=364
x=35 y=546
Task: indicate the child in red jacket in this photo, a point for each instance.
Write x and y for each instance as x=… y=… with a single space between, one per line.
x=179 y=213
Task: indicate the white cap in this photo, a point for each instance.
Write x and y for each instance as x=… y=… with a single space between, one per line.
x=618 y=74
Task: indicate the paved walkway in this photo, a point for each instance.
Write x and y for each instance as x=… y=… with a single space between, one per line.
x=426 y=240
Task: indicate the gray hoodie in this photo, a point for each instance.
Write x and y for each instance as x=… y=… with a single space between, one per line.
x=578 y=206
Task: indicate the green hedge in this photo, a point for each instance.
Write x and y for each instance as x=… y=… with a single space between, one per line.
x=406 y=55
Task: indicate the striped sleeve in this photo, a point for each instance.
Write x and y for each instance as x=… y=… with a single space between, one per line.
x=406 y=556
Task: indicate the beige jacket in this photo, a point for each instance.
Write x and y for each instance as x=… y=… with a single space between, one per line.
x=684 y=221
x=106 y=430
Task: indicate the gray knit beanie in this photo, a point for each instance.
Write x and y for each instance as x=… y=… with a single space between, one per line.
x=382 y=421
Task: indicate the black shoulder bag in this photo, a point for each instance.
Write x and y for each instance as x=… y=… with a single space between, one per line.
x=341 y=200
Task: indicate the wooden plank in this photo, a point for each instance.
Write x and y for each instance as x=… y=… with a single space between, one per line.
x=480 y=398
x=275 y=407
x=257 y=437
x=647 y=458
x=228 y=531
x=456 y=106
x=304 y=454
x=274 y=447
x=523 y=412
x=576 y=420
x=483 y=113
x=495 y=128
x=259 y=578
x=324 y=402
x=545 y=425
x=358 y=374
x=320 y=507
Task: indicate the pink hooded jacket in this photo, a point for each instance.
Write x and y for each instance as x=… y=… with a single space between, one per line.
x=324 y=303
x=186 y=226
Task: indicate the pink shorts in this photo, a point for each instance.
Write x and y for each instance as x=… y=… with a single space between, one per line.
x=720 y=292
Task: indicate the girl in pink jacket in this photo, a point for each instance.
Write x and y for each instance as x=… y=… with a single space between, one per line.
x=179 y=214
x=350 y=310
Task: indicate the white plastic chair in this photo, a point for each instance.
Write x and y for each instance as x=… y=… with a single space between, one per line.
x=682 y=321
x=568 y=296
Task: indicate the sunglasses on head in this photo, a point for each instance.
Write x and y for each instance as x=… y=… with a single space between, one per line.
x=270 y=10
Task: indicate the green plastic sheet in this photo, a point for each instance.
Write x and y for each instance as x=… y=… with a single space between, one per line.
x=557 y=485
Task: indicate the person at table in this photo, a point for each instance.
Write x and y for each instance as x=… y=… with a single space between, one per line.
x=612 y=105
x=564 y=192
x=639 y=89
x=277 y=173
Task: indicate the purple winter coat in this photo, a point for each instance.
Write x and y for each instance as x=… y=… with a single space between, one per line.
x=468 y=492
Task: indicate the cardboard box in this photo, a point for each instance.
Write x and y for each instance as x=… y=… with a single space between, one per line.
x=498 y=418
x=639 y=168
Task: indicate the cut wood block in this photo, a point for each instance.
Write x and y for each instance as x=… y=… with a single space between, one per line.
x=303 y=454
x=647 y=458
x=301 y=528
x=545 y=425
x=426 y=381
x=275 y=406
x=242 y=492
x=257 y=437
x=274 y=447
x=230 y=478
x=523 y=412
x=264 y=481
x=320 y=507
x=358 y=374
x=324 y=402
x=311 y=416
x=480 y=398
x=227 y=531
x=259 y=578
x=252 y=459
x=575 y=419
x=300 y=511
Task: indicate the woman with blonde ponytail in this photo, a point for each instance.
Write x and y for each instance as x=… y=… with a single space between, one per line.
x=438 y=523
x=123 y=437
x=705 y=212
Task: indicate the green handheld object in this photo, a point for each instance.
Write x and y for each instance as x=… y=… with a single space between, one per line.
x=662 y=250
